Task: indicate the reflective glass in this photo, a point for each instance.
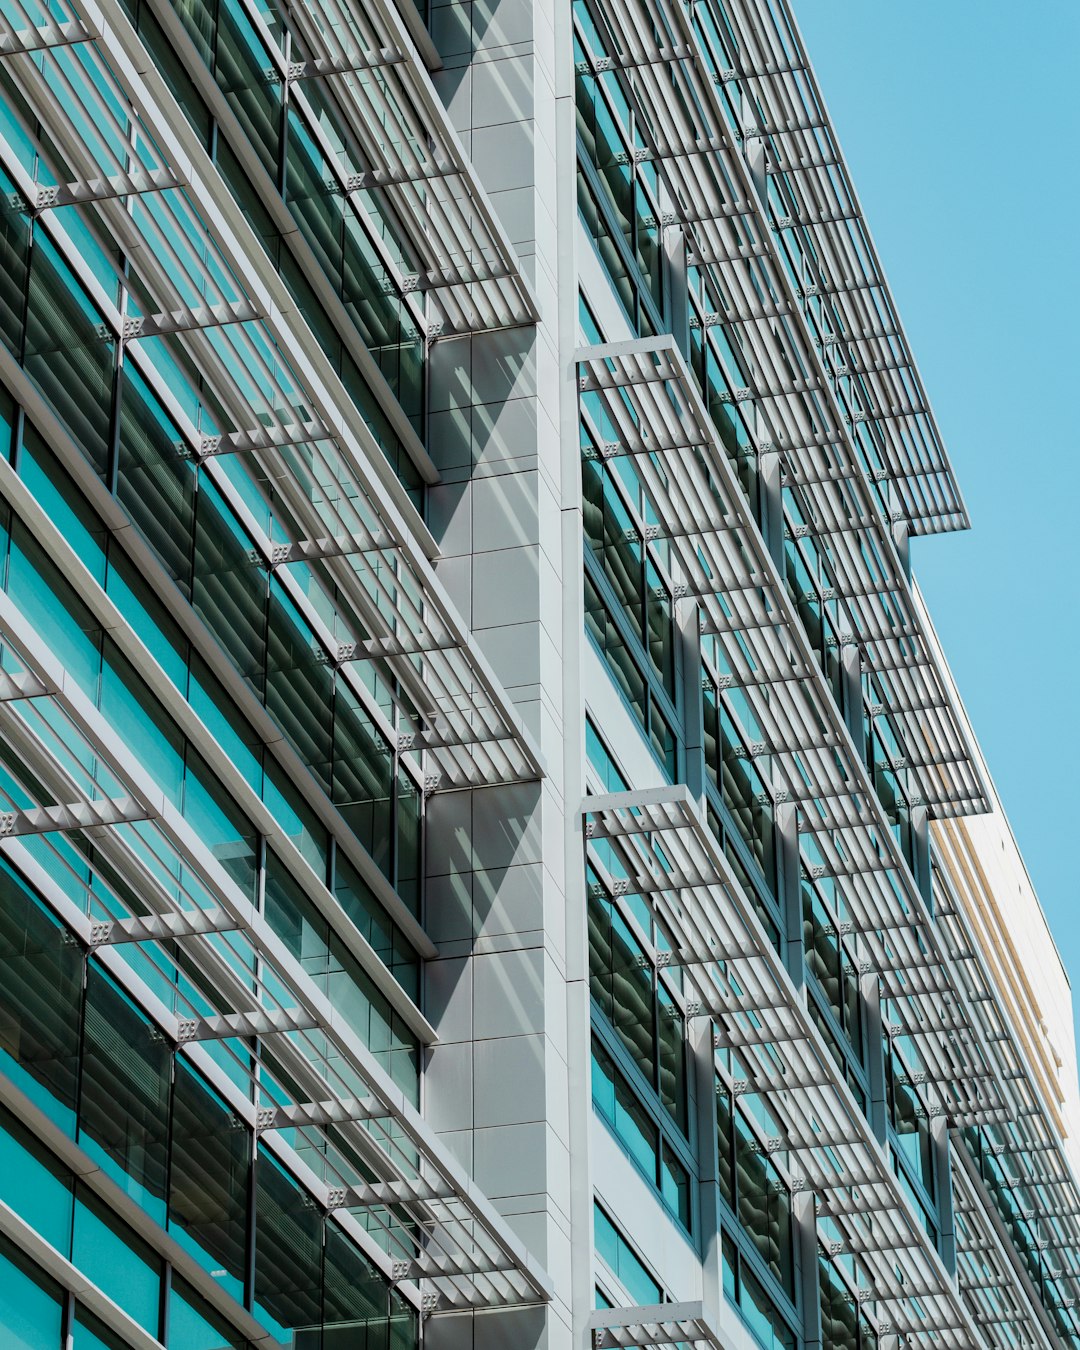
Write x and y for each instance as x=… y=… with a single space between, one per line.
x=30 y=1304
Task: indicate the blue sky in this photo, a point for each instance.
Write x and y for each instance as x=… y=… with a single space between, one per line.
x=960 y=120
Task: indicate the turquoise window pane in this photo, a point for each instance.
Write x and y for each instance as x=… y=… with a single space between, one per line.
x=288 y=1255
x=209 y=1179
x=65 y=353
x=116 y=1261
x=33 y=1185
x=221 y=827
x=193 y=1325
x=124 y=1093
x=624 y=1262
x=70 y=633
x=87 y=1333
x=41 y=979
x=63 y=503
x=762 y=1317
x=154 y=739
x=29 y=1305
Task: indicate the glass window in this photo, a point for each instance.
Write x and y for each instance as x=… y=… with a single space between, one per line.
x=623 y=1262
x=209 y=1179
x=288 y=1254
x=66 y=353
x=762 y=1315
x=110 y=1255
x=41 y=981
x=30 y=1304
x=155 y=479
x=193 y=1324
x=88 y=1333
x=124 y=1092
x=33 y=1184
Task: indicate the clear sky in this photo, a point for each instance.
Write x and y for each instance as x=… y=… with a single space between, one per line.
x=960 y=121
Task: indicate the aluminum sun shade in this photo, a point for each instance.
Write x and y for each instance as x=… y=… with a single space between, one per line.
x=366 y=60
x=317 y=1079
x=717 y=202
x=667 y=855
x=648 y=397
x=841 y=264
x=989 y=1276
x=660 y=1324
x=1045 y=1191
x=882 y=613
x=200 y=277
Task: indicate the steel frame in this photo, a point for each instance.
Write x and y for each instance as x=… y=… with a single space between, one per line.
x=668 y=855
x=649 y=397
x=777 y=80
x=435 y=1224
x=320 y=454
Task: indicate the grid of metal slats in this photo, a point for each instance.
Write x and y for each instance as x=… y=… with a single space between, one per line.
x=719 y=558
x=667 y=855
x=783 y=110
x=110 y=145
x=380 y=1168
x=799 y=411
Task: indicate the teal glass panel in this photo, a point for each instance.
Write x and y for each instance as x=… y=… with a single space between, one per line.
x=671 y=1059
x=63 y=502
x=357 y=1302
x=220 y=825
x=361 y=777
x=209 y=1179
x=407 y=862
x=41 y=981
x=65 y=625
x=33 y=1184
x=88 y=1333
x=675 y=1186
x=839 y=1324
x=288 y=1255
x=66 y=354
x=155 y=480
x=230 y=588
x=623 y=1261
x=299 y=687
x=14 y=263
x=193 y=1324
x=358 y=901
x=112 y=1257
x=615 y=1101
x=763 y=1318
x=249 y=79
x=142 y=723
x=124 y=1092
x=30 y=1304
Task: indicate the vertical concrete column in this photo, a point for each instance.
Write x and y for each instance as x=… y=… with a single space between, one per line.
x=497 y=1084
x=939 y=1130
x=902 y=539
x=712 y=1285
x=920 y=854
x=675 y=265
x=693 y=703
x=851 y=675
x=806 y=1269
x=875 y=1055
x=789 y=893
x=772 y=505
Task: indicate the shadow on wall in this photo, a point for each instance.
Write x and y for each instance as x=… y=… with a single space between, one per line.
x=462 y=28
x=483 y=865
x=499 y=1329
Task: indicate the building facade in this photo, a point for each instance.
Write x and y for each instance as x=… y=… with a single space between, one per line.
x=491 y=853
